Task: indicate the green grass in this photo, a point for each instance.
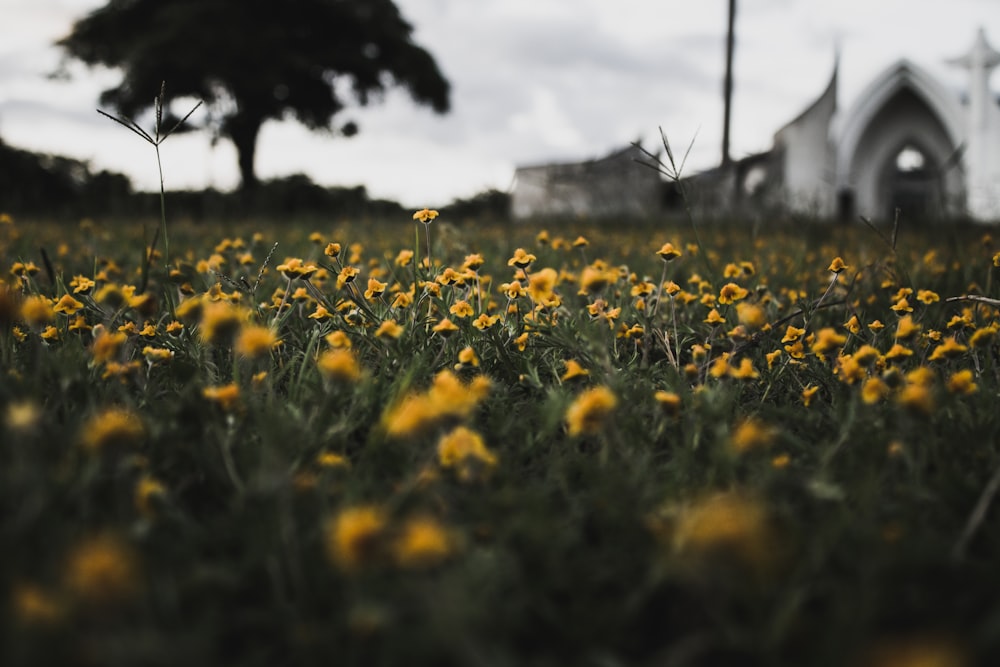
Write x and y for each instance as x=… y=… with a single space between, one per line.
x=316 y=511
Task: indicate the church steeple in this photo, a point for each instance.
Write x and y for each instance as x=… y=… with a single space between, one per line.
x=982 y=132
x=980 y=61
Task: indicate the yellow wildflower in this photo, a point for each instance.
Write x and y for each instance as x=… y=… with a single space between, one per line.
x=389 y=329
x=591 y=409
x=425 y=215
x=669 y=401
x=521 y=259
x=668 y=252
x=837 y=265
x=423 y=542
x=751 y=433
x=112 y=427
x=102 y=570
x=906 y=328
x=808 y=394
x=962 y=382
x=255 y=341
x=464 y=450
x=949 y=349
x=731 y=293
x=148 y=492
x=573 y=370
x=874 y=390
x=353 y=537
x=226 y=396
x=339 y=365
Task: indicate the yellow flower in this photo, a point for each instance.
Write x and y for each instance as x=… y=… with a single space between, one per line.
x=464 y=450
x=792 y=334
x=485 y=321
x=338 y=339
x=751 y=433
x=751 y=315
x=148 y=492
x=917 y=398
x=295 y=268
x=447 y=398
x=226 y=396
x=853 y=325
x=949 y=349
x=157 y=354
x=902 y=306
x=906 y=328
x=866 y=355
x=594 y=279
x=898 y=351
x=102 y=570
x=984 y=336
x=728 y=526
x=445 y=327
x=669 y=401
x=541 y=287
x=714 y=317
x=828 y=340
x=731 y=293
x=346 y=276
x=781 y=461
x=112 y=427
x=425 y=215
x=353 y=537
x=37 y=310
x=34 y=606
x=962 y=382
x=668 y=252
x=849 y=370
x=389 y=329
x=581 y=242
x=332 y=460
x=339 y=365
x=403 y=258
x=745 y=371
x=255 y=341
x=461 y=309
x=591 y=409
x=874 y=390
x=521 y=259
x=837 y=265
x=220 y=322
x=67 y=305
x=423 y=542
x=375 y=289
x=573 y=370
x=332 y=250
x=467 y=357
x=808 y=394
x=927 y=297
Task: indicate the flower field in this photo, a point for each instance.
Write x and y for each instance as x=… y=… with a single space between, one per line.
x=415 y=443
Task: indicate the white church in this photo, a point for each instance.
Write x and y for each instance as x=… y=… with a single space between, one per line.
x=906 y=143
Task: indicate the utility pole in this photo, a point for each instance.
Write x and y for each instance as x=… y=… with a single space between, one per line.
x=728 y=86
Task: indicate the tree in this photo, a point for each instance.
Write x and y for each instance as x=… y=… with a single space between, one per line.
x=252 y=61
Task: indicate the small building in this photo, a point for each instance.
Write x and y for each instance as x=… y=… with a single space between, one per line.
x=618 y=184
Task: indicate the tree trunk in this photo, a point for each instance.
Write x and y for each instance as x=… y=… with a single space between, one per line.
x=243 y=132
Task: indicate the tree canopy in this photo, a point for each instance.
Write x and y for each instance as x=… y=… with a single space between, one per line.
x=252 y=61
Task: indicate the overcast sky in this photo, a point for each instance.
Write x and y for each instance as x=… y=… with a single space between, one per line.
x=533 y=81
